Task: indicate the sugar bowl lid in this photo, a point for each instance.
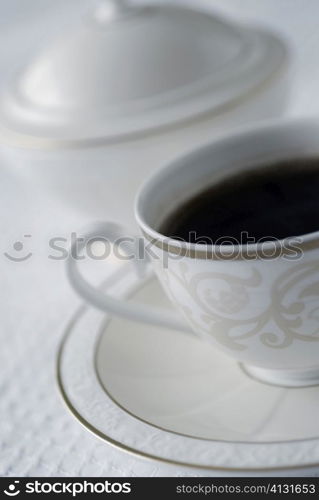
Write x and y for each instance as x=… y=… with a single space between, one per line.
x=128 y=69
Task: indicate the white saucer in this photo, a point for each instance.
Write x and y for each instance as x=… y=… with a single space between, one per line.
x=168 y=396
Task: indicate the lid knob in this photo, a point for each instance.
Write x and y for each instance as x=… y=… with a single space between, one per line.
x=113 y=10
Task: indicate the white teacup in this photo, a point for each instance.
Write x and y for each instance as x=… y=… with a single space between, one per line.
x=257 y=302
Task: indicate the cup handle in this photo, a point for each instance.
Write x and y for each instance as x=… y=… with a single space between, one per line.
x=133 y=311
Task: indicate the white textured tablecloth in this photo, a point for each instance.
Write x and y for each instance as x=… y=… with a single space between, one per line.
x=37 y=436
